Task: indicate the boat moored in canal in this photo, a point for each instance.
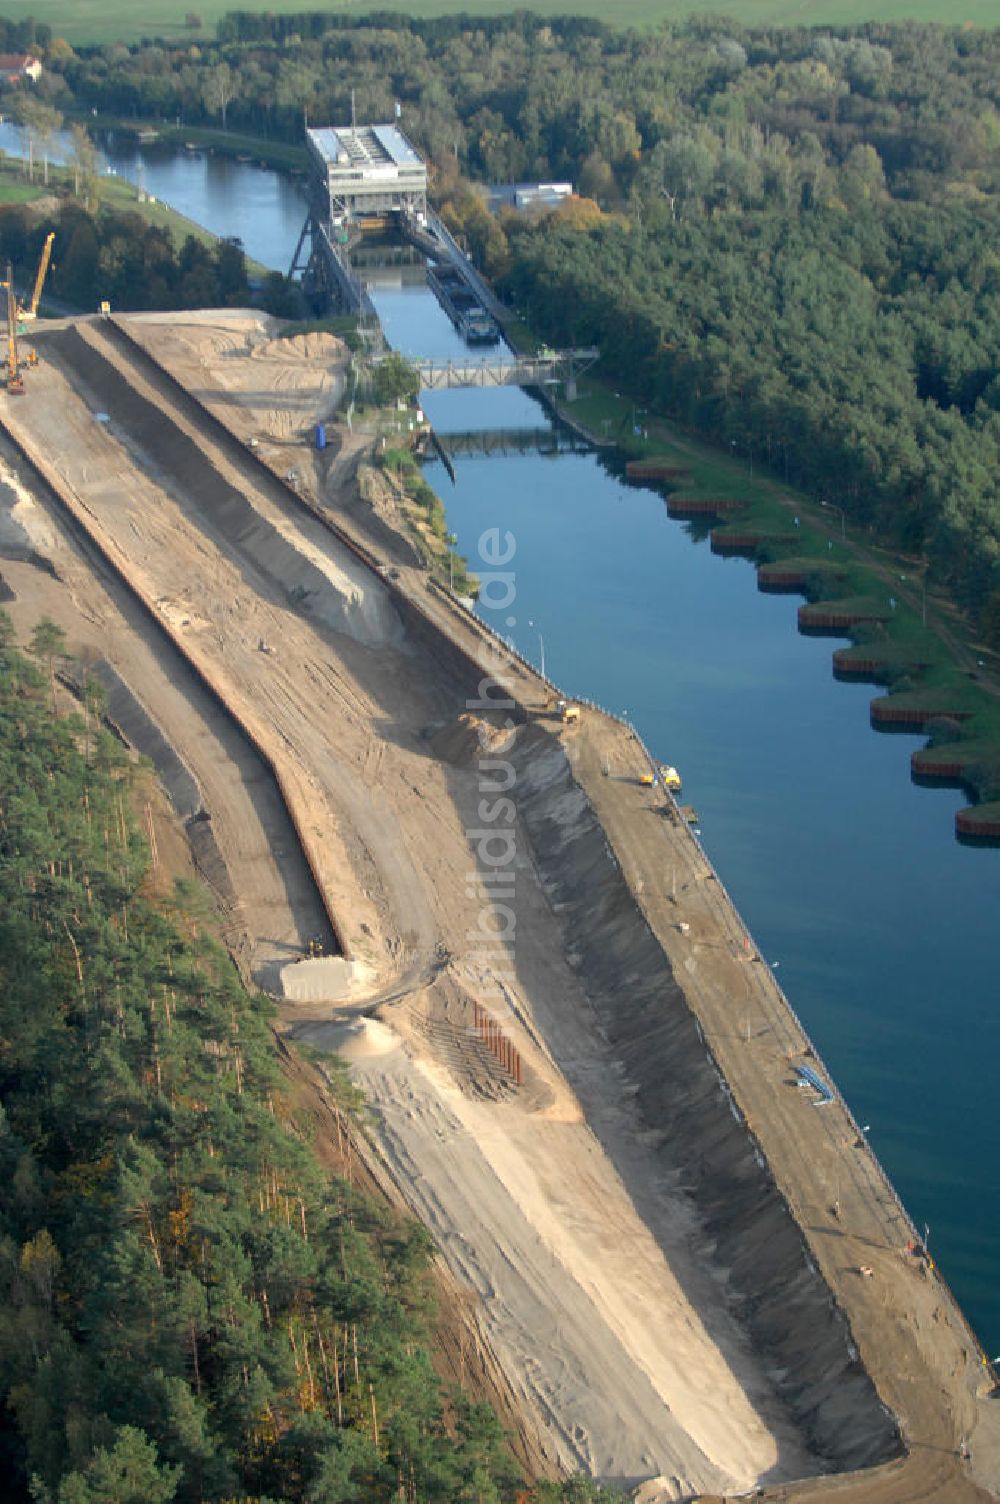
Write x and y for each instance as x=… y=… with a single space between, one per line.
x=470 y=318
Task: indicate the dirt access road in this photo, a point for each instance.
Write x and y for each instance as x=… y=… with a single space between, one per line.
x=553 y=1201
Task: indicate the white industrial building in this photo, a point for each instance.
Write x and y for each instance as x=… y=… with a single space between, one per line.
x=528 y=195
x=367 y=172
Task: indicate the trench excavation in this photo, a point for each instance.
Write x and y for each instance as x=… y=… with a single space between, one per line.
x=691 y=1173
x=187 y=738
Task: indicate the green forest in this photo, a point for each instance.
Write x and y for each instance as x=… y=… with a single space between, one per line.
x=191 y=1309
x=115 y=254
x=856 y=356
x=785 y=238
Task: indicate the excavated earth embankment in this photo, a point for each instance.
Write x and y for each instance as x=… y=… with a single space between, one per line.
x=215 y=780
x=341 y=594
x=681 y=1098
x=639 y=1254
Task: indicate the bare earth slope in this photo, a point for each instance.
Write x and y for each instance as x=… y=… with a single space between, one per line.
x=652 y=1301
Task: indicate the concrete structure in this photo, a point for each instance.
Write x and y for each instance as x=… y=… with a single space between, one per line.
x=368 y=176
x=366 y=172
x=360 y=175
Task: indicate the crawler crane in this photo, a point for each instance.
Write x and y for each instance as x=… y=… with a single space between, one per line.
x=26 y=315
x=15 y=385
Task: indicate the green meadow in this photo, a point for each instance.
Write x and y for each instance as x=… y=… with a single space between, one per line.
x=116 y=193
x=88 y=21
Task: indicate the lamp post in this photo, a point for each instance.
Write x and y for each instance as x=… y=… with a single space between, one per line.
x=733 y=447
x=832 y=506
x=541 y=648
x=923 y=594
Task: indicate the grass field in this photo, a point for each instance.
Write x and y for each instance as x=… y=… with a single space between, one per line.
x=83 y=21
x=12 y=191
x=116 y=193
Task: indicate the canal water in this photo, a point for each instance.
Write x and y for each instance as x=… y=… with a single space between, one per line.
x=883 y=929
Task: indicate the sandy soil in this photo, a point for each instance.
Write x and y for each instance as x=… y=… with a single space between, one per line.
x=269 y=386
x=596 y=1291
x=270 y=389
x=633 y=1380
x=276 y=910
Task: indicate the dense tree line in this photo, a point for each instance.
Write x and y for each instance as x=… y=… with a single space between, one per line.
x=117 y=256
x=855 y=355
x=705 y=110
x=190 y=1309
x=793 y=230
x=24 y=35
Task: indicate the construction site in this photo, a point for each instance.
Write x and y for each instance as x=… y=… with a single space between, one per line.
x=668 y=1268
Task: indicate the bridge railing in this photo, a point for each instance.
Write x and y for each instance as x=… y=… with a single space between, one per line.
x=534 y=370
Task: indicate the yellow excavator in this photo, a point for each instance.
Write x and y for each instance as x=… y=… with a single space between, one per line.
x=26 y=315
x=15 y=385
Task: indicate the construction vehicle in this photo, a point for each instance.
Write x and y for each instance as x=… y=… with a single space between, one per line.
x=15 y=385
x=648 y=780
x=671 y=778
x=26 y=315
x=568 y=713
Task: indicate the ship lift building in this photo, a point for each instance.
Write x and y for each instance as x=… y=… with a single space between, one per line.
x=366 y=172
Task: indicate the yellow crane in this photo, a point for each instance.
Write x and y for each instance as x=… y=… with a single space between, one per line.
x=15 y=386
x=27 y=314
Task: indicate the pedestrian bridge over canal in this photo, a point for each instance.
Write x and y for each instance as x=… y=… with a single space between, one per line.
x=505 y=370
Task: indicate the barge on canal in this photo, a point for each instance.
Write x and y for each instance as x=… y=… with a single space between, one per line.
x=470 y=318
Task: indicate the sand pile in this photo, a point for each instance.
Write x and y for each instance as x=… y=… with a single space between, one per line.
x=469 y=738
x=24 y=528
x=323 y=979
x=259 y=383
x=356 y=1041
x=317 y=347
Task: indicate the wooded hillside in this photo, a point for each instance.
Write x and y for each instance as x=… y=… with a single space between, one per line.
x=853 y=354
x=190 y=1308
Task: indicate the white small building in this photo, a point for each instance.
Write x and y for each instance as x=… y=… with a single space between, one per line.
x=367 y=172
x=15 y=67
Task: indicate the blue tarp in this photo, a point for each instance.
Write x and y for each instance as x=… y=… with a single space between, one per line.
x=809 y=1077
